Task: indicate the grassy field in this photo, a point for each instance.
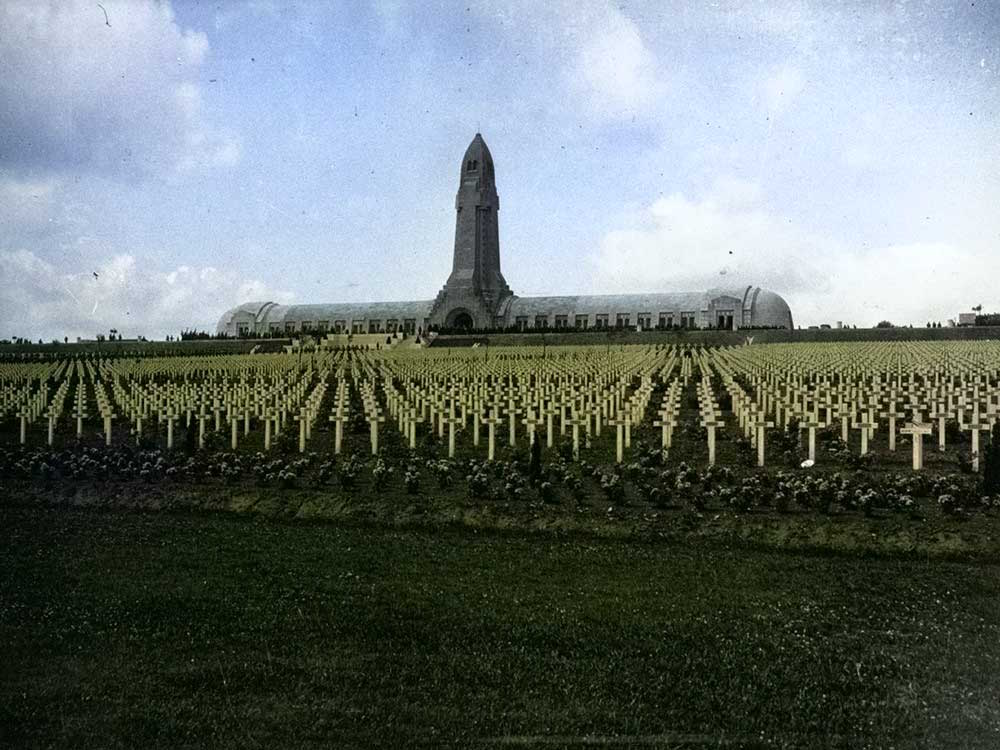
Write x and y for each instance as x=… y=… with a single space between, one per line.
x=126 y=629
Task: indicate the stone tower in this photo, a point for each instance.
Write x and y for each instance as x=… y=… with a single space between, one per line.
x=476 y=291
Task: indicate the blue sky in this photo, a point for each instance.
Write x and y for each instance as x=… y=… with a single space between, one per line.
x=197 y=155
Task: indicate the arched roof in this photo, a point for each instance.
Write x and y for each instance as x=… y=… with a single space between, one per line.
x=770 y=309
x=249 y=311
x=605 y=303
x=765 y=308
x=350 y=311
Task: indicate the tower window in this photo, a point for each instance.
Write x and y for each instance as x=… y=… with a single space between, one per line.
x=472 y=165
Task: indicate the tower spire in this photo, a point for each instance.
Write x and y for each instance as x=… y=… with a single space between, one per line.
x=476 y=283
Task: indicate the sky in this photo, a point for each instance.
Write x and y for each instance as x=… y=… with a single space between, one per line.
x=163 y=162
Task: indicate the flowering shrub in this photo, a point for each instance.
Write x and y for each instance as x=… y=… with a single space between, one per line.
x=348 y=473
x=565 y=449
x=477 y=480
x=514 y=483
x=648 y=457
x=657 y=497
x=859 y=462
x=380 y=473
x=781 y=501
x=949 y=504
x=442 y=470
x=749 y=493
x=964 y=460
x=613 y=487
x=411 y=480
x=325 y=472
x=547 y=491
x=865 y=500
x=715 y=476
x=906 y=504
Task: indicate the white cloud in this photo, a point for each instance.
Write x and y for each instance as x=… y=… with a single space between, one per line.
x=26 y=202
x=614 y=71
x=118 y=96
x=725 y=239
x=729 y=238
x=905 y=284
x=38 y=299
x=604 y=68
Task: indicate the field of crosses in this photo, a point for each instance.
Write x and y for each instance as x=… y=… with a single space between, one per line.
x=869 y=427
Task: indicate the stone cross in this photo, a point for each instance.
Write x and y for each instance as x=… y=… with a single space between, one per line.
x=24 y=412
x=452 y=421
x=374 y=417
x=303 y=419
x=844 y=413
x=476 y=410
x=865 y=425
x=268 y=416
x=532 y=422
x=760 y=424
x=666 y=423
x=619 y=421
x=941 y=414
x=80 y=413
x=917 y=431
x=892 y=415
x=108 y=416
x=578 y=420
x=338 y=418
x=202 y=417
x=976 y=427
x=171 y=416
x=412 y=418
x=512 y=412
x=234 y=430
x=710 y=425
x=549 y=412
x=492 y=421
x=812 y=425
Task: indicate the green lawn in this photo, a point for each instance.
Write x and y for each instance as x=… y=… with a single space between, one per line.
x=125 y=629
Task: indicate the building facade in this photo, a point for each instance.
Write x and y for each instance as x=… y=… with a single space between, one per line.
x=476 y=295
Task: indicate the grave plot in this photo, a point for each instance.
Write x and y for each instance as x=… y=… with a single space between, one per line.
x=602 y=418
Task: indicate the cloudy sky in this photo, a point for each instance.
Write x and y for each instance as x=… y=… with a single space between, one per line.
x=162 y=162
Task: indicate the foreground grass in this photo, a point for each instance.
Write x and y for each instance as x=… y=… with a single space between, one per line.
x=130 y=629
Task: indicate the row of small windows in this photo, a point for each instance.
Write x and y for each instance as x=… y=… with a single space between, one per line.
x=687 y=319
x=391 y=325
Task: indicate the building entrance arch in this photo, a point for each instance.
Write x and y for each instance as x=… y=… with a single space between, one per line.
x=460 y=318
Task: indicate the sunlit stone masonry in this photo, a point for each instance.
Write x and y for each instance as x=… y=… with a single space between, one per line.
x=476 y=295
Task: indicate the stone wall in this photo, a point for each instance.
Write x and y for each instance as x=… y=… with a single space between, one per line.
x=725 y=338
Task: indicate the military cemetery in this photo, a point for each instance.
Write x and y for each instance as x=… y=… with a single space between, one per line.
x=625 y=410
x=701 y=466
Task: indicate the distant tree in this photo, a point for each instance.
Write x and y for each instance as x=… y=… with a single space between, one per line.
x=884 y=324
